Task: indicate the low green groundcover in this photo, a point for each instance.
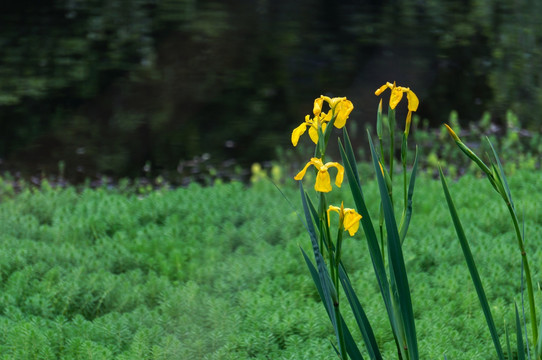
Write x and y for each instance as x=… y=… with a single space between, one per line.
x=216 y=273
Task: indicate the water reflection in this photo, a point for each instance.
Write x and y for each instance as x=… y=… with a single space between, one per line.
x=111 y=87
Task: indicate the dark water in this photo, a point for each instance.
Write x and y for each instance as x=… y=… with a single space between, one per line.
x=187 y=88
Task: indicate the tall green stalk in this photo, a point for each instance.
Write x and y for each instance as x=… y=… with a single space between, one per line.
x=497 y=178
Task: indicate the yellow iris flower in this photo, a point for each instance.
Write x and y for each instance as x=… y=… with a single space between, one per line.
x=313 y=125
x=323 y=180
x=349 y=218
x=396 y=96
x=340 y=107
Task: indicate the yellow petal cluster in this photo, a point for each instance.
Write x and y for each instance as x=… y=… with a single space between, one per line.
x=323 y=180
x=312 y=125
x=396 y=96
x=348 y=217
x=340 y=107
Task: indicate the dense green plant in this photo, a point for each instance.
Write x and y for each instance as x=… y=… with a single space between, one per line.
x=497 y=178
x=161 y=275
x=385 y=242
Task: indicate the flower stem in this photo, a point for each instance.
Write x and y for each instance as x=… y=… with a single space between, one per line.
x=526 y=268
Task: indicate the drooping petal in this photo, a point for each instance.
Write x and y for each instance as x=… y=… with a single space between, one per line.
x=323 y=181
x=340 y=175
x=298 y=131
x=332 y=208
x=396 y=96
x=351 y=221
x=381 y=89
x=301 y=174
x=413 y=101
x=340 y=172
x=353 y=228
x=343 y=110
x=313 y=133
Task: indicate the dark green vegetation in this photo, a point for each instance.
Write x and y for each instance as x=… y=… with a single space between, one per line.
x=216 y=273
x=109 y=86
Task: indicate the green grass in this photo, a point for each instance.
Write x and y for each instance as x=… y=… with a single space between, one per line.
x=216 y=273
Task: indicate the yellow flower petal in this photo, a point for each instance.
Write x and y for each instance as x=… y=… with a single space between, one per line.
x=413 y=101
x=396 y=96
x=340 y=172
x=326 y=117
x=317 y=163
x=323 y=181
x=348 y=218
x=343 y=110
x=408 y=120
x=353 y=228
x=381 y=89
x=332 y=208
x=313 y=133
x=351 y=221
x=332 y=101
x=317 y=109
x=298 y=131
x=301 y=174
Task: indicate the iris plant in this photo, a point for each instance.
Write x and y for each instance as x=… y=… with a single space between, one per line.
x=385 y=245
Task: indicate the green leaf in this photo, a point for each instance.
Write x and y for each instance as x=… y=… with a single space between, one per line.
x=351 y=346
x=507 y=196
x=519 y=337
x=312 y=209
x=349 y=152
x=472 y=268
x=360 y=316
x=329 y=128
x=508 y=347
x=323 y=274
x=396 y=262
x=501 y=171
x=379 y=121
x=408 y=213
x=539 y=341
x=351 y=171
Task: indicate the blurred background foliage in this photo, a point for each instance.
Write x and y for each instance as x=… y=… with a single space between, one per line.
x=128 y=88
